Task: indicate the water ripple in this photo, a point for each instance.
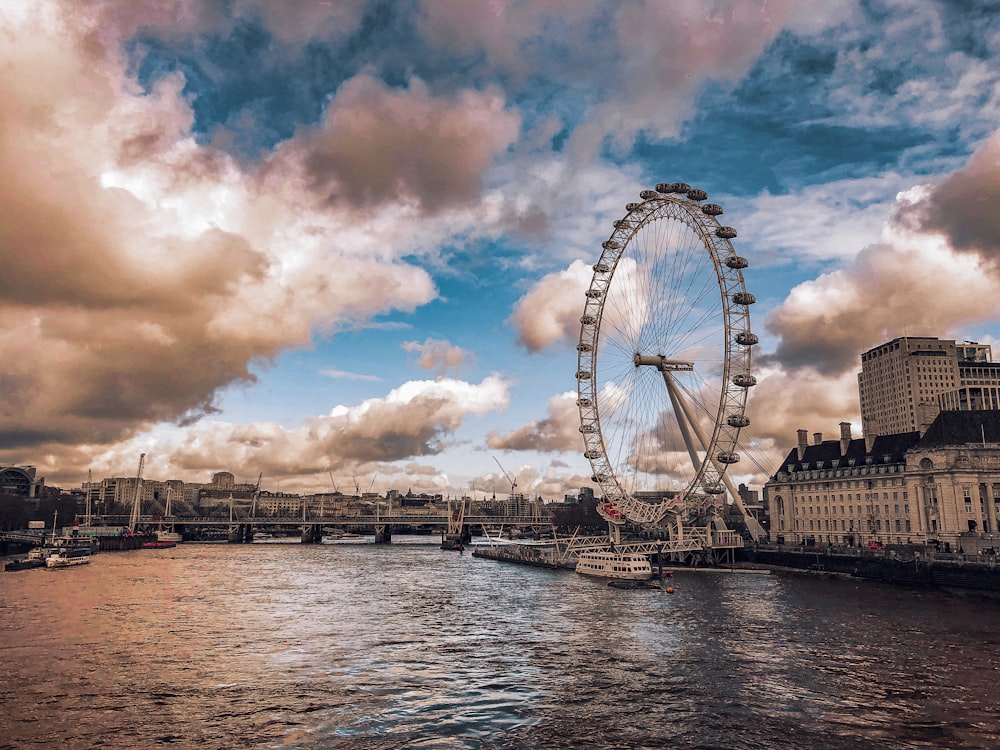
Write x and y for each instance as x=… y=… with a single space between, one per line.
x=358 y=646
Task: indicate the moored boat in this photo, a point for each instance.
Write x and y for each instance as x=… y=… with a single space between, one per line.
x=66 y=557
x=34 y=559
x=625 y=566
x=159 y=544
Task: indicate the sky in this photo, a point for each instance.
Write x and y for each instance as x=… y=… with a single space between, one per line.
x=345 y=243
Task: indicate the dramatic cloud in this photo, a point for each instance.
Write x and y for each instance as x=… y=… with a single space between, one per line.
x=559 y=431
x=550 y=312
x=910 y=283
x=410 y=421
x=964 y=207
x=439 y=356
x=378 y=144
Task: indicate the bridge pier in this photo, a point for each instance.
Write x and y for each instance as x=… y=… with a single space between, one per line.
x=383 y=535
x=312 y=534
x=240 y=534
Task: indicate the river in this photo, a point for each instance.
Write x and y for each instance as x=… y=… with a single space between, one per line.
x=406 y=646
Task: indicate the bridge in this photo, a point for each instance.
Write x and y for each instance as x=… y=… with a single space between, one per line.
x=240 y=527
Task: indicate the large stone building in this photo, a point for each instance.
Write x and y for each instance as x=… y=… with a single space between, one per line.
x=942 y=487
x=927 y=469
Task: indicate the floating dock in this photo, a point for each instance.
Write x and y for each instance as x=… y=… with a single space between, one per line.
x=536 y=555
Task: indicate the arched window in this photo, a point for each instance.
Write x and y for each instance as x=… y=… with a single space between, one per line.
x=926 y=464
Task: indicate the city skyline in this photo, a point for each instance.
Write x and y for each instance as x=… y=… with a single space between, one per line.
x=350 y=241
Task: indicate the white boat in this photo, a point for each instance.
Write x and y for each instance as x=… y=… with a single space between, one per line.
x=67 y=557
x=623 y=566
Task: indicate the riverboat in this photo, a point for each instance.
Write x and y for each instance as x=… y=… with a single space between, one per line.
x=625 y=566
x=66 y=557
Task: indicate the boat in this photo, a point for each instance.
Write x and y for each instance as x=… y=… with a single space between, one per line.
x=625 y=566
x=34 y=559
x=159 y=543
x=65 y=557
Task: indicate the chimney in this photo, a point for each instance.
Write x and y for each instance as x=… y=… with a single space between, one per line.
x=817 y=438
x=803 y=442
x=845 y=437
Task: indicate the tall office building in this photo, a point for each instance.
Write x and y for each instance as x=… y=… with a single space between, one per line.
x=905 y=383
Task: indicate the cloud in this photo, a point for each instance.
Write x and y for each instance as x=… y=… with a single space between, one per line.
x=620 y=47
x=143 y=271
x=410 y=421
x=910 y=283
x=550 y=311
x=964 y=206
x=439 y=355
x=784 y=401
x=830 y=221
x=377 y=144
x=559 y=431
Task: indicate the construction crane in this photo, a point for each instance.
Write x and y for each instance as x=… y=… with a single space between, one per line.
x=512 y=480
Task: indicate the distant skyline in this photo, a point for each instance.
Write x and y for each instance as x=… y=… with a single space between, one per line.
x=353 y=237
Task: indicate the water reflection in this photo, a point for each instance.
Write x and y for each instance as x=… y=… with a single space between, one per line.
x=353 y=645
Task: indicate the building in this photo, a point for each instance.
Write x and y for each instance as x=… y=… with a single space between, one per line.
x=21 y=481
x=906 y=382
x=941 y=487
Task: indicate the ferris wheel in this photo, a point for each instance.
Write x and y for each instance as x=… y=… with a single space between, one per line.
x=664 y=359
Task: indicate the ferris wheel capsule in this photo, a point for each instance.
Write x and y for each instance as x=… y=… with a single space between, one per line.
x=697 y=194
x=738 y=420
x=737 y=262
x=711 y=209
x=632 y=206
x=726 y=233
x=648 y=194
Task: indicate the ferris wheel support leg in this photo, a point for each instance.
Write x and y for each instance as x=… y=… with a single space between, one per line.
x=678 y=402
x=684 y=420
x=676 y=398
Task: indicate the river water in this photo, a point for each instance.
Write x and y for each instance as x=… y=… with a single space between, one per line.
x=406 y=646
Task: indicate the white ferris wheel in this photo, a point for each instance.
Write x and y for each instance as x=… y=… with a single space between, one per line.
x=664 y=360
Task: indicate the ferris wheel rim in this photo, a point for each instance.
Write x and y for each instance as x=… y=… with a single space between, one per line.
x=679 y=202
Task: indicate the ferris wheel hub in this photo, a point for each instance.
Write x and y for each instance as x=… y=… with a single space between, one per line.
x=661 y=363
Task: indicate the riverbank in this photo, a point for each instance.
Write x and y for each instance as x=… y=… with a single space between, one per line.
x=886 y=566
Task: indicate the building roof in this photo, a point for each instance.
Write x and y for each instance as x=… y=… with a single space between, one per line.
x=948 y=428
x=962 y=428
x=826 y=455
